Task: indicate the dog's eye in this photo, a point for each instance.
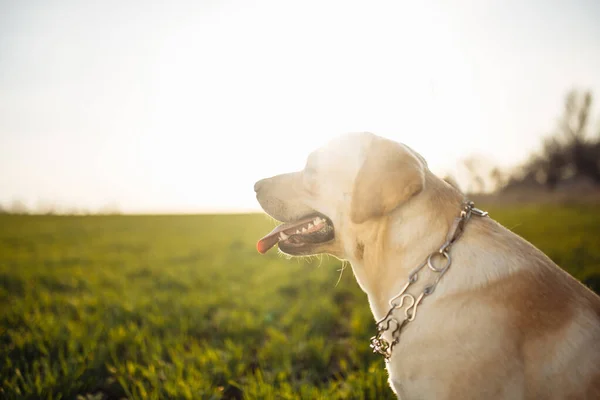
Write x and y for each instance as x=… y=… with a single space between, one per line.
x=309 y=179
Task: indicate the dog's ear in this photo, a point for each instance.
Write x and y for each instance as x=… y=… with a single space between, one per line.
x=389 y=176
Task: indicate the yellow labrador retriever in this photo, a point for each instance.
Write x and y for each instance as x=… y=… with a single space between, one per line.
x=505 y=322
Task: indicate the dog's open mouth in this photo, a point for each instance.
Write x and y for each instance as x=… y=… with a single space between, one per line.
x=299 y=236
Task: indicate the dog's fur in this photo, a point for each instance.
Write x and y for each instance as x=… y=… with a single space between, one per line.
x=505 y=322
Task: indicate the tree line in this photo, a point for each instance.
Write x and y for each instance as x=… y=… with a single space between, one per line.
x=569 y=156
x=570 y=153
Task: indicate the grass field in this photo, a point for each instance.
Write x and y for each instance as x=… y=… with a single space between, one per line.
x=184 y=307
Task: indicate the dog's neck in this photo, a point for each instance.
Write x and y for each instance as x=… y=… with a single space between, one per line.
x=395 y=245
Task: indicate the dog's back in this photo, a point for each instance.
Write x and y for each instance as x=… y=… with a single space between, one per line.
x=511 y=325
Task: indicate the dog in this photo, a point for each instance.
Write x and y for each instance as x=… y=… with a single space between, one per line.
x=504 y=321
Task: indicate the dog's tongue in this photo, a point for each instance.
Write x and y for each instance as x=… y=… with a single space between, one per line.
x=270 y=240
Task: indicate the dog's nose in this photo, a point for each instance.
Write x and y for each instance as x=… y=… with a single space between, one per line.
x=259 y=184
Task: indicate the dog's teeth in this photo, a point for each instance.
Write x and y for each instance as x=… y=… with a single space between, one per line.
x=283 y=236
x=310 y=226
x=297 y=230
x=303 y=230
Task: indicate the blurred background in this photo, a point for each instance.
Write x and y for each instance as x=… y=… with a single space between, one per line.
x=149 y=107
x=132 y=132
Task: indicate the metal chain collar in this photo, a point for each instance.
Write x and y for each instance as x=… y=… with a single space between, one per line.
x=378 y=343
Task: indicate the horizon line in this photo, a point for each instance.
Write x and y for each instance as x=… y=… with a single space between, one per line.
x=212 y=211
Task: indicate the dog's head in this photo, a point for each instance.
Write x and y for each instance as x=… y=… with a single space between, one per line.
x=354 y=179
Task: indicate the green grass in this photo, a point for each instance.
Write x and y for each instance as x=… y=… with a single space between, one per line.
x=184 y=307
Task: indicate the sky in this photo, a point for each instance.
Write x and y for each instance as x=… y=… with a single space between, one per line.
x=178 y=106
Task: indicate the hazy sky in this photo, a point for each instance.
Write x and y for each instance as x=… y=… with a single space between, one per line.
x=181 y=106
